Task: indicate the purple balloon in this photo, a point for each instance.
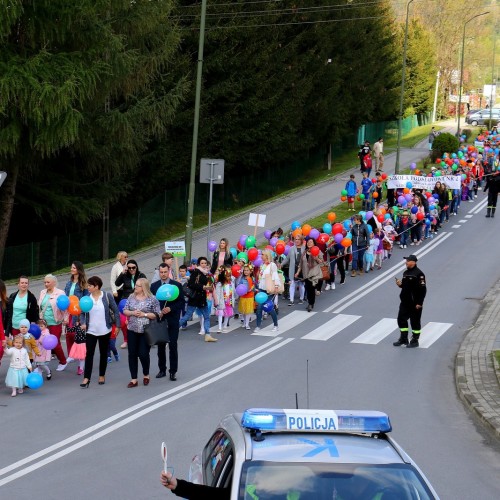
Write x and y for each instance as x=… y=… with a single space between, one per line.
x=243 y=240
x=242 y=289
x=408 y=197
x=258 y=262
x=287 y=249
x=369 y=215
x=338 y=237
x=314 y=234
x=413 y=166
x=267 y=234
x=431 y=200
x=49 y=342
x=212 y=246
x=401 y=199
x=273 y=241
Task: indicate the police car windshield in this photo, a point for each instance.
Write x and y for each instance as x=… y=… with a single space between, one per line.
x=299 y=481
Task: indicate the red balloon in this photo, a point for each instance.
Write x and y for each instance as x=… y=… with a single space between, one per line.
x=236 y=270
x=280 y=248
x=323 y=238
x=315 y=251
x=337 y=228
x=384 y=176
x=420 y=216
x=253 y=253
x=380 y=218
x=240 y=247
x=374 y=181
x=270 y=247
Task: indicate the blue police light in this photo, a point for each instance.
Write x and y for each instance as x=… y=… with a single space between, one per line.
x=268 y=419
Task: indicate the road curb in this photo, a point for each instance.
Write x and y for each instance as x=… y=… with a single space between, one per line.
x=476 y=376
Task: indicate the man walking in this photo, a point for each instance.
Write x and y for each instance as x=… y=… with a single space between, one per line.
x=432 y=136
x=171 y=316
x=413 y=290
x=378 y=154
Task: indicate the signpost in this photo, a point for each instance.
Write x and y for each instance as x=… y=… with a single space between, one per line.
x=3 y=176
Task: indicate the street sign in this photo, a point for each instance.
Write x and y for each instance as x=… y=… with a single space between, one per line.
x=3 y=176
x=211 y=171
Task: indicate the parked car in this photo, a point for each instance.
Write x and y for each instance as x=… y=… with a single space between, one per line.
x=482 y=116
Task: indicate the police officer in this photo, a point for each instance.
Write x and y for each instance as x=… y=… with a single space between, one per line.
x=493 y=184
x=413 y=290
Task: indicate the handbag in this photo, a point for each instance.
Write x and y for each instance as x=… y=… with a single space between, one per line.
x=270 y=284
x=156 y=332
x=325 y=271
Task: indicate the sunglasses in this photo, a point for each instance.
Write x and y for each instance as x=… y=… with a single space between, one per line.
x=131 y=268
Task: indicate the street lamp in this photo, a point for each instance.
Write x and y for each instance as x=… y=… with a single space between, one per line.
x=462 y=68
x=493 y=81
x=400 y=117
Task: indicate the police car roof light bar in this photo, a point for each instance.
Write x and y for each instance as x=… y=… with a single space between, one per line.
x=303 y=420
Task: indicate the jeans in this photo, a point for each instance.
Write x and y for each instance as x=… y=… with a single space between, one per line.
x=201 y=311
x=273 y=314
x=403 y=238
x=357 y=256
x=91 y=342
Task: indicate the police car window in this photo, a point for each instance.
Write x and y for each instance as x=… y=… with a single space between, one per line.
x=216 y=453
x=298 y=481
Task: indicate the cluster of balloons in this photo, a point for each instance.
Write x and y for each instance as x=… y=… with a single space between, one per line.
x=74 y=305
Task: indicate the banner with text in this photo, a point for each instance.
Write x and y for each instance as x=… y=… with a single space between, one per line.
x=419 y=182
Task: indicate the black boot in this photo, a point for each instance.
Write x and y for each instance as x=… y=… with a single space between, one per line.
x=413 y=341
x=493 y=211
x=403 y=340
x=488 y=212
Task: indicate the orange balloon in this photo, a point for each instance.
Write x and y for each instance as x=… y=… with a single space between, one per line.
x=346 y=242
x=343 y=198
x=73 y=299
x=406 y=190
x=74 y=309
x=296 y=232
x=381 y=211
x=331 y=216
x=417 y=172
x=375 y=194
x=306 y=229
x=280 y=242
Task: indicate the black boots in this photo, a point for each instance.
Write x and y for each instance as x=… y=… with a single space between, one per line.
x=493 y=211
x=403 y=340
x=488 y=212
x=413 y=341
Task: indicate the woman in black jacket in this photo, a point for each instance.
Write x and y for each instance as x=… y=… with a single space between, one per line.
x=128 y=279
x=21 y=305
x=222 y=256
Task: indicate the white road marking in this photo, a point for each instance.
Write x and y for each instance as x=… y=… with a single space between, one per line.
x=431 y=332
x=377 y=332
x=469 y=216
x=456 y=226
x=286 y=323
x=330 y=328
x=462 y=221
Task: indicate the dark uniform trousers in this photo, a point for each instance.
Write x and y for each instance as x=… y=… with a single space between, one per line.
x=409 y=312
x=172 y=323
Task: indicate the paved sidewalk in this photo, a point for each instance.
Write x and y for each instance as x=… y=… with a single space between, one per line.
x=476 y=372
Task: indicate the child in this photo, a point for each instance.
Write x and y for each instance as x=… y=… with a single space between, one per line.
x=42 y=360
x=29 y=341
x=112 y=344
x=79 y=349
x=403 y=229
x=366 y=185
x=379 y=251
x=370 y=252
x=351 y=189
x=246 y=304
x=19 y=366
x=224 y=298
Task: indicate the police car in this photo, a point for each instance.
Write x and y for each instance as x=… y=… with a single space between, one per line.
x=271 y=454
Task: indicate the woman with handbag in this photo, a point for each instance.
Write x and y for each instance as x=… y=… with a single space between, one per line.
x=97 y=324
x=141 y=308
x=310 y=267
x=270 y=283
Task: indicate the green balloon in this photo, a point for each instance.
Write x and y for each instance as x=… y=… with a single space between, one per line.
x=361 y=196
x=250 y=242
x=174 y=293
x=343 y=192
x=438 y=173
x=242 y=256
x=395 y=209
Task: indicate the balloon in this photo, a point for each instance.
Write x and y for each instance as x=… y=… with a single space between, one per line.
x=236 y=270
x=49 y=342
x=62 y=302
x=250 y=242
x=34 y=381
x=331 y=217
x=280 y=248
x=296 y=232
x=234 y=252
x=243 y=239
x=268 y=305
x=295 y=225
x=420 y=216
x=86 y=304
x=343 y=198
x=413 y=166
x=401 y=199
x=212 y=246
x=417 y=172
x=384 y=176
x=34 y=329
x=409 y=185
x=361 y=196
x=346 y=242
x=73 y=299
x=242 y=289
x=349 y=234
x=314 y=251
x=242 y=256
x=347 y=224
x=343 y=192
x=387 y=216
x=253 y=253
x=121 y=305
x=395 y=209
x=380 y=218
x=240 y=247
x=273 y=241
x=314 y=234
x=74 y=309
x=261 y=297
x=267 y=234
x=167 y=292
x=306 y=229
x=258 y=262
x=323 y=238
x=408 y=197
x=369 y=215
x=337 y=228
x=375 y=195
x=338 y=238
x=414 y=210
x=327 y=228
x=287 y=249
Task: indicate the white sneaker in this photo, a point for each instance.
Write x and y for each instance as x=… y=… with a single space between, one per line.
x=61 y=368
x=225 y=330
x=201 y=332
x=69 y=360
x=256 y=329
x=327 y=287
x=275 y=329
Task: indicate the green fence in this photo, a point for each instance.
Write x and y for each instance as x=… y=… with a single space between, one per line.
x=129 y=231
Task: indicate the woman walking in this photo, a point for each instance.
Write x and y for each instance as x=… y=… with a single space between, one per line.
x=21 y=305
x=119 y=267
x=140 y=309
x=98 y=323
x=268 y=272
x=222 y=256
x=310 y=267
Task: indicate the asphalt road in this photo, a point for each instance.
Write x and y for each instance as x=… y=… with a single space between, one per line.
x=64 y=442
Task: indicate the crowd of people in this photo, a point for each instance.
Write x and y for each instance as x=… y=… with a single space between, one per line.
x=238 y=284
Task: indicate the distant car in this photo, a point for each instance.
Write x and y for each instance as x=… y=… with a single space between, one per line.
x=480 y=117
x=275 y=454
x=471 y=112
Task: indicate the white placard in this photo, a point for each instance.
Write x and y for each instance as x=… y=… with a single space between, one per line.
x=257 y=220
x=176 y=248
x=419 y=182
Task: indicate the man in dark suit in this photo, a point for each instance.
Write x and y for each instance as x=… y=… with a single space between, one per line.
x=171 y=315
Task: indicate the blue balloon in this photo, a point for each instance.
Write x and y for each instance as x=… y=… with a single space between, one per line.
x=121 y=305
x=163 y=292
x=268 y=306
x=414 y=209
x=409 y=185
x=261 y=297
x=62 y=302
x=234 y=252
x=347 y=224
x=427 y=222
x=295 y=225
x=34 y=329
x=327 y=228
x=34 y=381
x=86 y=304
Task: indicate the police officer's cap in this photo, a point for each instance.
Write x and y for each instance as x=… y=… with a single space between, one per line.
x=411 y=257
